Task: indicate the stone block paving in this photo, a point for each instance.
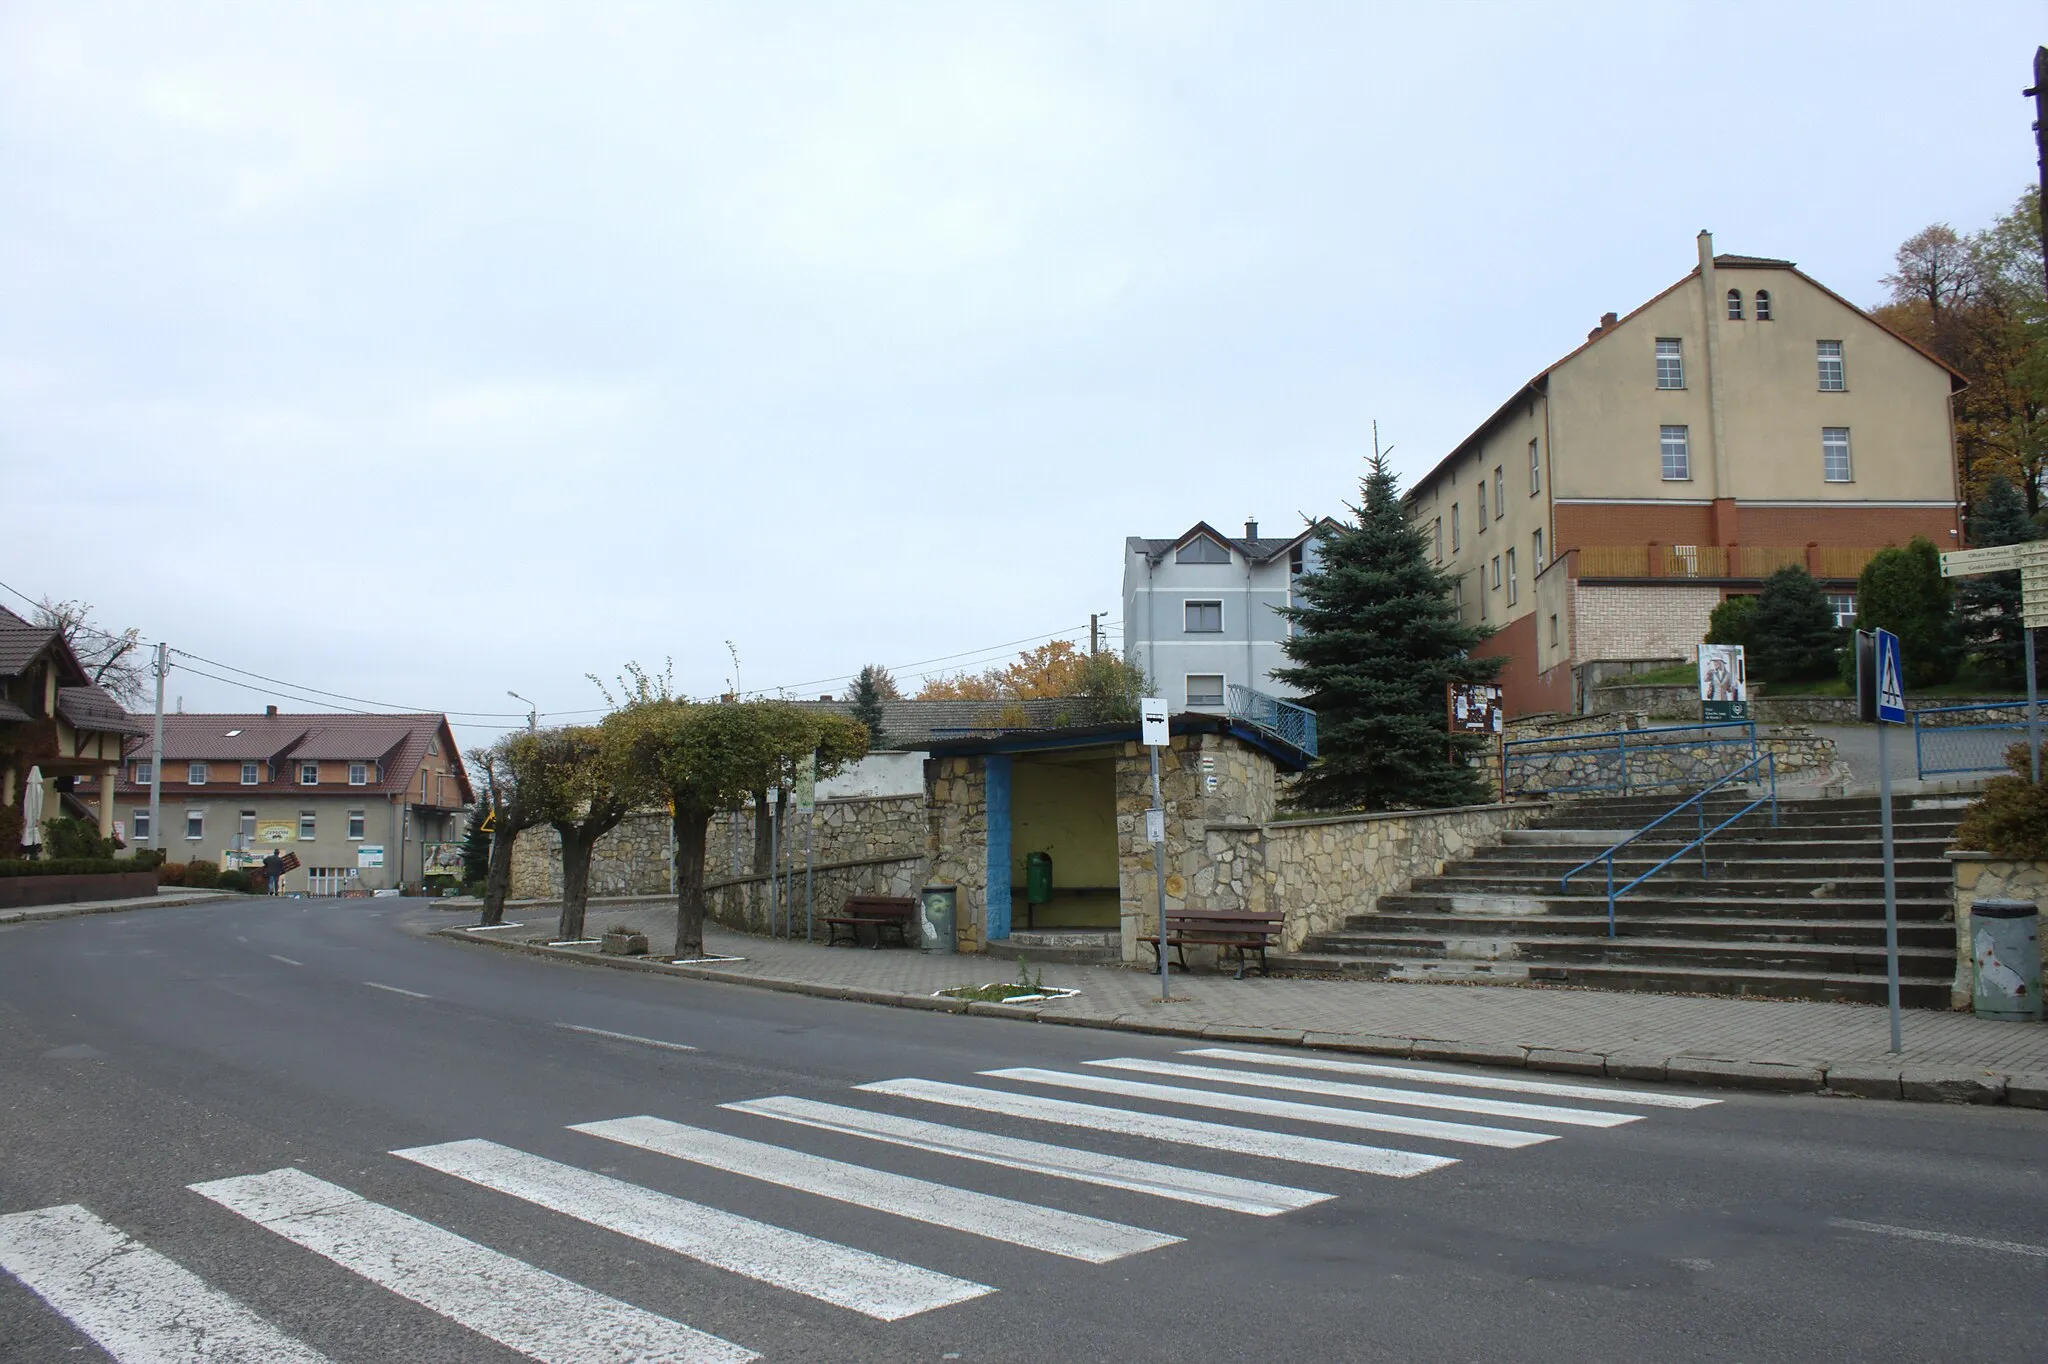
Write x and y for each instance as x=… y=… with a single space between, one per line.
x=1794 y=1042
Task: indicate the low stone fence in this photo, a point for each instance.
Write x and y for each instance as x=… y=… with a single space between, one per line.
x=743 y=902
x=1318 y=871
x=1975 y=876
x=1654 y=760
x=1681 y=701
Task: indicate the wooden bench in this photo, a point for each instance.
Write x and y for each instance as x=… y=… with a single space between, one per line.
x=878 y=911
x=1240 y=930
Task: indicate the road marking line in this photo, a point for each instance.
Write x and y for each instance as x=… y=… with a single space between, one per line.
x=1249 y=1141
x=286 y=960
x=1396 y=1124
x=1074 y=1235
x=139 y=1306
x=859 y=1280
x=1946 y=1238
x=395 y=990
x=1499 y=1082
x=628 y=1037
x=541 y=1315
x=1252 y=1196
x=1407 y=1098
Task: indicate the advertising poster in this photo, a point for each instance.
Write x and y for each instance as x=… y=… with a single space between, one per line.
x=1724 y=687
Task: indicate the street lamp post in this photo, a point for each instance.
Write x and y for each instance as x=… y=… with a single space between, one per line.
x=532 y=712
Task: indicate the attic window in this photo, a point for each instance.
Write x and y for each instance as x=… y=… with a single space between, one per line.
x=1202 y=550
x=1763 y=305
x=1735 y=305
x=232 y=733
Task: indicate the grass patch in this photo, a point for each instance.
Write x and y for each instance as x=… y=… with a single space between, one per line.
x=998 y=994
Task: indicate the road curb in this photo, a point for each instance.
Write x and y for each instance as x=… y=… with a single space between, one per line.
x=1858 y=1080
x=46 y=913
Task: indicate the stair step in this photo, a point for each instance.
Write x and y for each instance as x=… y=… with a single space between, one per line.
x=1928 y=934
x=1918 y=992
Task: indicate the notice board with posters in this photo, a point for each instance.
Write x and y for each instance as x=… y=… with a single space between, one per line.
x=1475 y=707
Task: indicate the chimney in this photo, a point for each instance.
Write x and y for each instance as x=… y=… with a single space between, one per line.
x=1251 y=530
x=826 y=697
x=270 y=710
x=1706 y=251
x=1606 y=320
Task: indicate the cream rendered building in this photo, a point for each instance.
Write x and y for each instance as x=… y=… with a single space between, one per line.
x=1745 y=418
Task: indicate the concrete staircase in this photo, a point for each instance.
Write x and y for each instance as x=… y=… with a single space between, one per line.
x=1793 y=912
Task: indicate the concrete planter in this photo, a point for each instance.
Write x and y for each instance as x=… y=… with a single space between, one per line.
x=1986 y=876
x=618 y=944
x=21 y=892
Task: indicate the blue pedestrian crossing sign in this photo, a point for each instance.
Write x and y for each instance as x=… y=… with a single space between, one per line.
x=1891 y=690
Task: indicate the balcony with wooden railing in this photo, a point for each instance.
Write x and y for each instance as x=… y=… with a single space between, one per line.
x=1716 y=563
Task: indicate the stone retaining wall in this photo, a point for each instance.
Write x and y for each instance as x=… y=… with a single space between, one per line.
x=1976 y=876
x=1666 y=762
x=1681 y=701
x=743 y=903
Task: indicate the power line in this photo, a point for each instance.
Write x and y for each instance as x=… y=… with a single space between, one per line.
x=342 y=696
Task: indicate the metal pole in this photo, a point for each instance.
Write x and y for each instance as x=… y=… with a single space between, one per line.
x=1891 y=889
x=1159 y=877
x=810 y=902
x=2033 y=713
x=774 y=858
x=156 y=756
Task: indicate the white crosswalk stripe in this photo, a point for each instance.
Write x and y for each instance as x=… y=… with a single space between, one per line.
x=1249 y=1141
x=139 y=1306
x=538 y=1314
x=885 y=1289
x=1396 y=1124
x=1253 y=1196
x=1304 y=1061
x=1378 y=1094
x=1073 y=1235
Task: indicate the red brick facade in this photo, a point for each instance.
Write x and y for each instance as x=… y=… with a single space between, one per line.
x=1524 y=690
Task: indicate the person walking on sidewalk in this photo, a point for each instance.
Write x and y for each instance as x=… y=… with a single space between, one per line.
x=273 y=871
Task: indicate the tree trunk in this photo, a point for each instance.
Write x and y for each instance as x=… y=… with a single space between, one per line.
x=498 y=882
x=757 y=893
x=691 y=827
x=577 y=846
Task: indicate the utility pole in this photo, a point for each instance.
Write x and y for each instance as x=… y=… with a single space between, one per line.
x=1094 y=632
x=2038 y=92
x=156 y=756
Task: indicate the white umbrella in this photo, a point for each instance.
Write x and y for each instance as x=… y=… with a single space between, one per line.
x=32 y=809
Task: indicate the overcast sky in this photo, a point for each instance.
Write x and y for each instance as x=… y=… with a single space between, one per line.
x=422 y=352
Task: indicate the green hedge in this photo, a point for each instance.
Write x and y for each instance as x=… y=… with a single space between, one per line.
x=69 y=866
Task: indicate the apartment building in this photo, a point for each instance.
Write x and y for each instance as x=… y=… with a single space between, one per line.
x=1745 y=418
x=376 y=797
x=1199 y=611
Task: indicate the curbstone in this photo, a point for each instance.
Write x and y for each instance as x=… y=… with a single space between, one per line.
x=1372 y=1044
x=1228 y=1032
x=983 y=1008
x=1785 y=1079
x=1158 y=1027
x=1574 y=1062
x=1865 y=1081
x=1952 y=1085
x=2027 y=1089
x=1469 y=1053
x=1636 y=1065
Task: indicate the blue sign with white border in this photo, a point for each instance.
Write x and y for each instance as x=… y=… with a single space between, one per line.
x=1891 y=689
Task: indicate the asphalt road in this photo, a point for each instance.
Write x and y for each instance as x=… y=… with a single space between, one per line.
x=279 y=1053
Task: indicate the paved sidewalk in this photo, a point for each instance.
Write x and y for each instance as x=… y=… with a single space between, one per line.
x=161 y=900
x=1770 y=1044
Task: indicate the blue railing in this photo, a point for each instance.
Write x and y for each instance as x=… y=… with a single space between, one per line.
x=1625 y=759
x=1698 y=801
x=1952 y=739
x=1290 y=724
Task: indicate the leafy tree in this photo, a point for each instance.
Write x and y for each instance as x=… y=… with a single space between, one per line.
x=873 y=686
x=1902 y=590
x=1988 y=604
x=570 y=778
x=1733 y=621
x=1378 y=635
x=116 y=663
x=706 y=758
x=1106 y=687
x=1793 y=636
x=513 y=809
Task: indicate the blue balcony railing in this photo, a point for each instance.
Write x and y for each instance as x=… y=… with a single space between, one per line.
x=1292 y=725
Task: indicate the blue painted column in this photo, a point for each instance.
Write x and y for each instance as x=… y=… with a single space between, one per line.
x=998 y=893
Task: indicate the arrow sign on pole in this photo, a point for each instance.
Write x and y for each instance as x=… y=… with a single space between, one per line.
x=1961 y=563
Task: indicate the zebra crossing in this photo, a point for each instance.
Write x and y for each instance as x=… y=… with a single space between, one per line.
x=142 y=1307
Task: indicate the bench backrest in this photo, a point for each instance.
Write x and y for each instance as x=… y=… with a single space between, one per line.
x=888 y=904
x=1229 y=921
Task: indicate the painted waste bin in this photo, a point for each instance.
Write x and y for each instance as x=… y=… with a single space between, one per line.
x=2005 y=944
x=1037 y=877
x=938 y=913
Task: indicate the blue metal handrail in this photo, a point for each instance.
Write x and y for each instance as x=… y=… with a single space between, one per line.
x=1698 y=801
x=1291 y=724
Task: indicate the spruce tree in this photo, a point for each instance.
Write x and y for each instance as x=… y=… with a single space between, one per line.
x=1793 y=636
x=1377 y=636
x=870 y=688
x=476 y=848
x=1989 y=603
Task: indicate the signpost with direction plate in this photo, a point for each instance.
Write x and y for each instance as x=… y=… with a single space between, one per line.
x=2031 y=560
x=1153 y=732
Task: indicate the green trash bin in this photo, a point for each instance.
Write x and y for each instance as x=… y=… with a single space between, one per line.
x=2005 y=947
x=938 y=914
x=1037 y=877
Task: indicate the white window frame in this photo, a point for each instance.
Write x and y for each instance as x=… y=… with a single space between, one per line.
x=144 y=772
x=1830 y=448
x=1682 y=443
x=1763 y=305
x=245 y=823
x=312 y=767
x=251 y=774
x=1672 y=375
x=195 y=774
x=1482 y=504
x=138 y=823
x=1187 y=615
x=1535 y=468
x=1202 y=550
x=309 y=826
x=356 y=822
x=1735 y=305
x=358 y=774
x=1831 y=370
x=1437 y=534
x=1842 y=605
x=195 y=826
x=1457 y=530
x=1188 y=689
x=1514 y=589
x=1536 y=559
x=1496 y=572
x=1553 y=630
x=1500 y=492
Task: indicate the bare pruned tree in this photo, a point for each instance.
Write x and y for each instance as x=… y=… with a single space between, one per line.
x=116 y=663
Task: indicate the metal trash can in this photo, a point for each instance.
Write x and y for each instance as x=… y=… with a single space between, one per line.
x=938 y=912
x=2005 y=948
x=1037 y=877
